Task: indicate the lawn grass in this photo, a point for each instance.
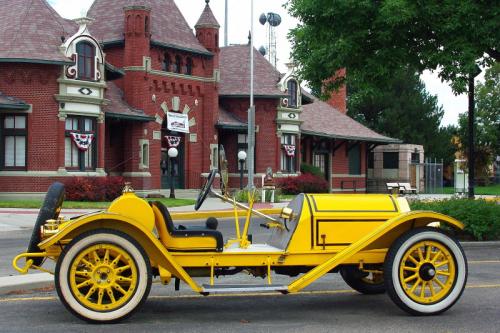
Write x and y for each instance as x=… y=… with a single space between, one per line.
x=479 y=190
x=88 y=205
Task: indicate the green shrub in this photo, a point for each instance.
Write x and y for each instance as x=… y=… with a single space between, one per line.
x=242 y=196
x=481 y=217
x=313 y=170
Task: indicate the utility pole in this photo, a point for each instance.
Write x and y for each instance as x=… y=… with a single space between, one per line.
x=251 y=112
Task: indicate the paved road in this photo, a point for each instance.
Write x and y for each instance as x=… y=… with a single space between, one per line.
x=326 y=306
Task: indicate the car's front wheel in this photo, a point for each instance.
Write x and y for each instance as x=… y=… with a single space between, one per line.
x=425 y=271
x=103 y=276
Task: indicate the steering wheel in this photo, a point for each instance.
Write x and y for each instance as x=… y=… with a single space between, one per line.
x=205 y=189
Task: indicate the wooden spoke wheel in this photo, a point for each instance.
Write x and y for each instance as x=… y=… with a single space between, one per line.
x=103 y=276
x=426 y=271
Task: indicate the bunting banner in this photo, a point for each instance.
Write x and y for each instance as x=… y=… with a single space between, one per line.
x=289 y=150
x=82 y=141
x=173 y=141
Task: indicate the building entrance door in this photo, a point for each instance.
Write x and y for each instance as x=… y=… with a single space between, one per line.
x=170 y=139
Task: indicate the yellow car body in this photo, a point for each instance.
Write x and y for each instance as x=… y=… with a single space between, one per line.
x=317 y=234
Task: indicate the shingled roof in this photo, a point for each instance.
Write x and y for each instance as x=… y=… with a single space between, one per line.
x=168 y=26
x=207 y=19
x=229 y=121
x=31 y=31
x=320 y=119
x=235 y=74
x=118 y=108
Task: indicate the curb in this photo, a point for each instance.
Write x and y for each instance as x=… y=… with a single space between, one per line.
x=480 y=244
x=18 y=284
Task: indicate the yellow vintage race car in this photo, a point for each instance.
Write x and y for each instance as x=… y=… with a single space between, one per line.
x=105 y=261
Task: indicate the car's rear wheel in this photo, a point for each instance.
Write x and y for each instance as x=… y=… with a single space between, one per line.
x=369 y=283
x=103 y=276
x=425 y=271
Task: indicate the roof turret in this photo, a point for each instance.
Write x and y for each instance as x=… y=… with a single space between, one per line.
x=207 y=18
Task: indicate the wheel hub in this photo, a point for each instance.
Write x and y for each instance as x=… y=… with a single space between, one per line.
x=427 y=272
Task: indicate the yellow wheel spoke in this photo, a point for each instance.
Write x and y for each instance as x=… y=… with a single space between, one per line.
x=415 y=261
x=420 y=254
x=443 y=273
x=422 y=289
x=431 y=288
x=124 y=279
x=110 y=295
x=87 y=263
x=116 y=260
x=119 y=288
x=436 y=256
x=106 y=256
x=90 y=293
x=84 y=284
x=407 y=268
x=439 y=282
x=82 y=273
x=99 y=297
x=415 y=286
x=441 y=263
x=96 y=256
x=428 y=250
x=408 y=279
x=121 y=269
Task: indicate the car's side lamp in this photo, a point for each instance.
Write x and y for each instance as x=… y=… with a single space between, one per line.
x=286 y=213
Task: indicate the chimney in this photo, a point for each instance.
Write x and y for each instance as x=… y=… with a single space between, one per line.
x=338 y=98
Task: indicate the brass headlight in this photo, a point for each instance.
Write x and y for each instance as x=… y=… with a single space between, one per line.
x=286 y=213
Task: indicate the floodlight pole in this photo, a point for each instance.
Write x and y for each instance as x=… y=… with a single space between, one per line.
x=251 y=112
x=225 y=24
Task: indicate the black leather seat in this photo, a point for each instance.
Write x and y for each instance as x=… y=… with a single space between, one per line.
x=188 y=232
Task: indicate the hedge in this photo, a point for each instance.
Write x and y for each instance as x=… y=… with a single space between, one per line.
x=481 y=217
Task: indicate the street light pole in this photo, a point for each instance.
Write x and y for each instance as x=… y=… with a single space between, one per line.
x=241 y=157
x=172 y=154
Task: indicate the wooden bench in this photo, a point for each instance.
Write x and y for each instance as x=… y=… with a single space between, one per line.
x=405 y=188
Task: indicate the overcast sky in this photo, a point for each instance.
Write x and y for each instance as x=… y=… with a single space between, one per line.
x=239 y=25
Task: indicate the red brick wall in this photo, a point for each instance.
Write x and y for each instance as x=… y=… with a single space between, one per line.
x=338 y=98
x=267 y=144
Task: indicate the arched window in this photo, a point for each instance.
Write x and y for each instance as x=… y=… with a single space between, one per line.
x=189 y=66
x=166 y=63
x=86 y=60
x=292 y=93
x=178 y=64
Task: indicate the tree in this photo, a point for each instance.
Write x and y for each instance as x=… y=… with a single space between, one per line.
x=404 y=110
x=487 y=127
x=375 y=39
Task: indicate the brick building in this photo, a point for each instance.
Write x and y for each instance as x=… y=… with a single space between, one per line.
x=108 y=95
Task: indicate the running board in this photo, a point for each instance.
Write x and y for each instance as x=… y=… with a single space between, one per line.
x=242 y=288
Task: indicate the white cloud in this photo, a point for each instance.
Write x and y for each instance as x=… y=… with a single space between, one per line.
x=239 y=26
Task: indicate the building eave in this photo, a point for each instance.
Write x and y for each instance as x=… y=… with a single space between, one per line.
x=37 y=61
x=6 y=106
x=129 y=117
x=352 y=138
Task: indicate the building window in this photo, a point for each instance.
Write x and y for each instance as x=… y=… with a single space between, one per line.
x=76 y=159
x=288 y=160
x=177 y=65
x=189 y=66
x=13 y=132
x=354 y=156
x=166 y=63
x=391 y=160
x=86 y=59
x=319 y=161
x=144 y=161
x=214 y=157
x=292 y=93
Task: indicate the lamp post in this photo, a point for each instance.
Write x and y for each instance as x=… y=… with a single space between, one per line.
x=242 y=156
x=172 y=154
